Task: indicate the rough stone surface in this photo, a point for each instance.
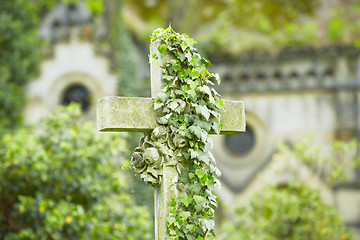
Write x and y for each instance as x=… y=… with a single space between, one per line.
x=155 y=67
x=131 y=114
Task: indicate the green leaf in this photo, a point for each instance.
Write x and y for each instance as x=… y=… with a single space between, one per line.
x=163 y=96
x=191 y=175
x=195 y=74
x=170 y=220
x=158 y=105
x=162 y=48
x=176 y=67
x=198 y=199
x=185 y=199
x=195 y=188
x=173 y=202
x=190 y=227
x=184 y=73
x=173 y=105
x=184 y=46
x=204 y=158
x=205 y=89
x=206 y=62
x=217 y=77
x=184 y=215
x=193 y=153
x=200 y=173
x=203 y=110
x=209 y=223
x=199 y=133
x=162 y=120
x=188 y=56
x=216 y=127
x=192 y=93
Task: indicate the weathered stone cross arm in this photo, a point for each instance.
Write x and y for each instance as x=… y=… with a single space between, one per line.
x=131 y=114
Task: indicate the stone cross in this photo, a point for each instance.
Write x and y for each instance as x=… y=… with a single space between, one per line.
x=132 y=114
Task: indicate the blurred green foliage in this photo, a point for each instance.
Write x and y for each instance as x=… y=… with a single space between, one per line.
x=289 y=212
x=62 y=180
x=292 y=210
x=333 y=164
x=235 y=25
x=19 y=58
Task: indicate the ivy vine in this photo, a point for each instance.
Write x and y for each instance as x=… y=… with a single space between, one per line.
x=190 y=108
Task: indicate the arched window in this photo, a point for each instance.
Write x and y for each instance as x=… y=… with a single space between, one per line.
x=241 y=143
x=79 y=94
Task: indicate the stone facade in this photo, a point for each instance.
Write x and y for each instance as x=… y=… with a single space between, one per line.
x=287 y=96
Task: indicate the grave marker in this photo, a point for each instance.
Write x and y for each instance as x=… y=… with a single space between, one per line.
x=156 y=158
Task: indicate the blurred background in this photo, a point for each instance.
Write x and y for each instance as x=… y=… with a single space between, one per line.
x=294 y=63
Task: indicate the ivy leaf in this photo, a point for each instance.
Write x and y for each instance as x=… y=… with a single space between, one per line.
x=200 y=173
x=176 y=67
x=184 y=46
x=170 y=220
x=193 y=61
x=205 y=89
x=203 y=110
x=206 y=62
x=184 y=74
x=215 y=114
x=193 y=153
x=154 y=56
x=216 y=127
x=158 y=105
x=184 y=178
x=209 y=224
x=162 y=120
x=162 y=48
x=163 y=96
x=184 y=215
x=210 y=183
x=173 y=105
x=181 y=57
x=217 y=77
x=188 y=56
x=198 y=199
x=199 y=238
x=173 y=202
x=195 y=188
x=215 y=92
x=195 y=74
x=206 y=125
x=168 y=77
x=197 y=131
x=185 y=199
x=189 y=42
x=204 y=158
x=192 y=93
x=190 y=227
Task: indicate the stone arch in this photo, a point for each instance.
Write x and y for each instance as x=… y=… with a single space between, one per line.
x=239 y=159
x=60 y=85
x=239 y=168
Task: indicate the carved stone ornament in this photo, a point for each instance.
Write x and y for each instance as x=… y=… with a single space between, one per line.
x=157 y=149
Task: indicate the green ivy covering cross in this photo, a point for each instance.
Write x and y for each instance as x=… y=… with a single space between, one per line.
x=190 y=108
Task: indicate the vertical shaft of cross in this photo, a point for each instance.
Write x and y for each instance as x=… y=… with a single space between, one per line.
x=166 y=190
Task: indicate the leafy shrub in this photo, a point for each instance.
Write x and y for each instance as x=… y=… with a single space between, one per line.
x=289 y=212
x=62 y=180
x=19 y=58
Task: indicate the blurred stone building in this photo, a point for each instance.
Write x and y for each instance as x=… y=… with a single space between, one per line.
x=287 y=95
